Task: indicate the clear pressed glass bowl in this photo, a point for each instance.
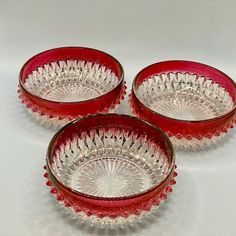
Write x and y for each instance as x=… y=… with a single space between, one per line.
x=193 y=103
x=110 y=169
x=61 y=84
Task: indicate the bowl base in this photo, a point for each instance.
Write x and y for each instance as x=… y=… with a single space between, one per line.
x=185 y=108
x=72 y=93
x=110 y=177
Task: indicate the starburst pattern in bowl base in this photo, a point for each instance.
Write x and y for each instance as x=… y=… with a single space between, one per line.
x=110 y=177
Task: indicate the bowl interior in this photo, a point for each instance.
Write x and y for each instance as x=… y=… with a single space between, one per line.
x=185 y=95
x=116 y=160
x=71 y=81
x=79 y=75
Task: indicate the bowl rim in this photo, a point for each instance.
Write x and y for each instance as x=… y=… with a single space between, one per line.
x=175 y=119
x=21 y=84
x=171 y=166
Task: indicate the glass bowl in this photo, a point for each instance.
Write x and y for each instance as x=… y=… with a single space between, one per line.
x=61 y=84
x=110 y=169
x=193 y=103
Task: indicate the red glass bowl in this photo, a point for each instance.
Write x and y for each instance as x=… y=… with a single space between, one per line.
x=195 y=104
x=61 y=84
x=110 y=169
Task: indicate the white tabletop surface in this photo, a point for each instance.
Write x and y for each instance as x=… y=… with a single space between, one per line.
x=137 y=33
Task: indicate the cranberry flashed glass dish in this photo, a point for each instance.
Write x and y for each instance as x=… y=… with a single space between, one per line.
x=110 y=169
x=61 y=84
x=193 y=103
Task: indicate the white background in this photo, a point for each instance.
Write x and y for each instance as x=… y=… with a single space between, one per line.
x=137 y=33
